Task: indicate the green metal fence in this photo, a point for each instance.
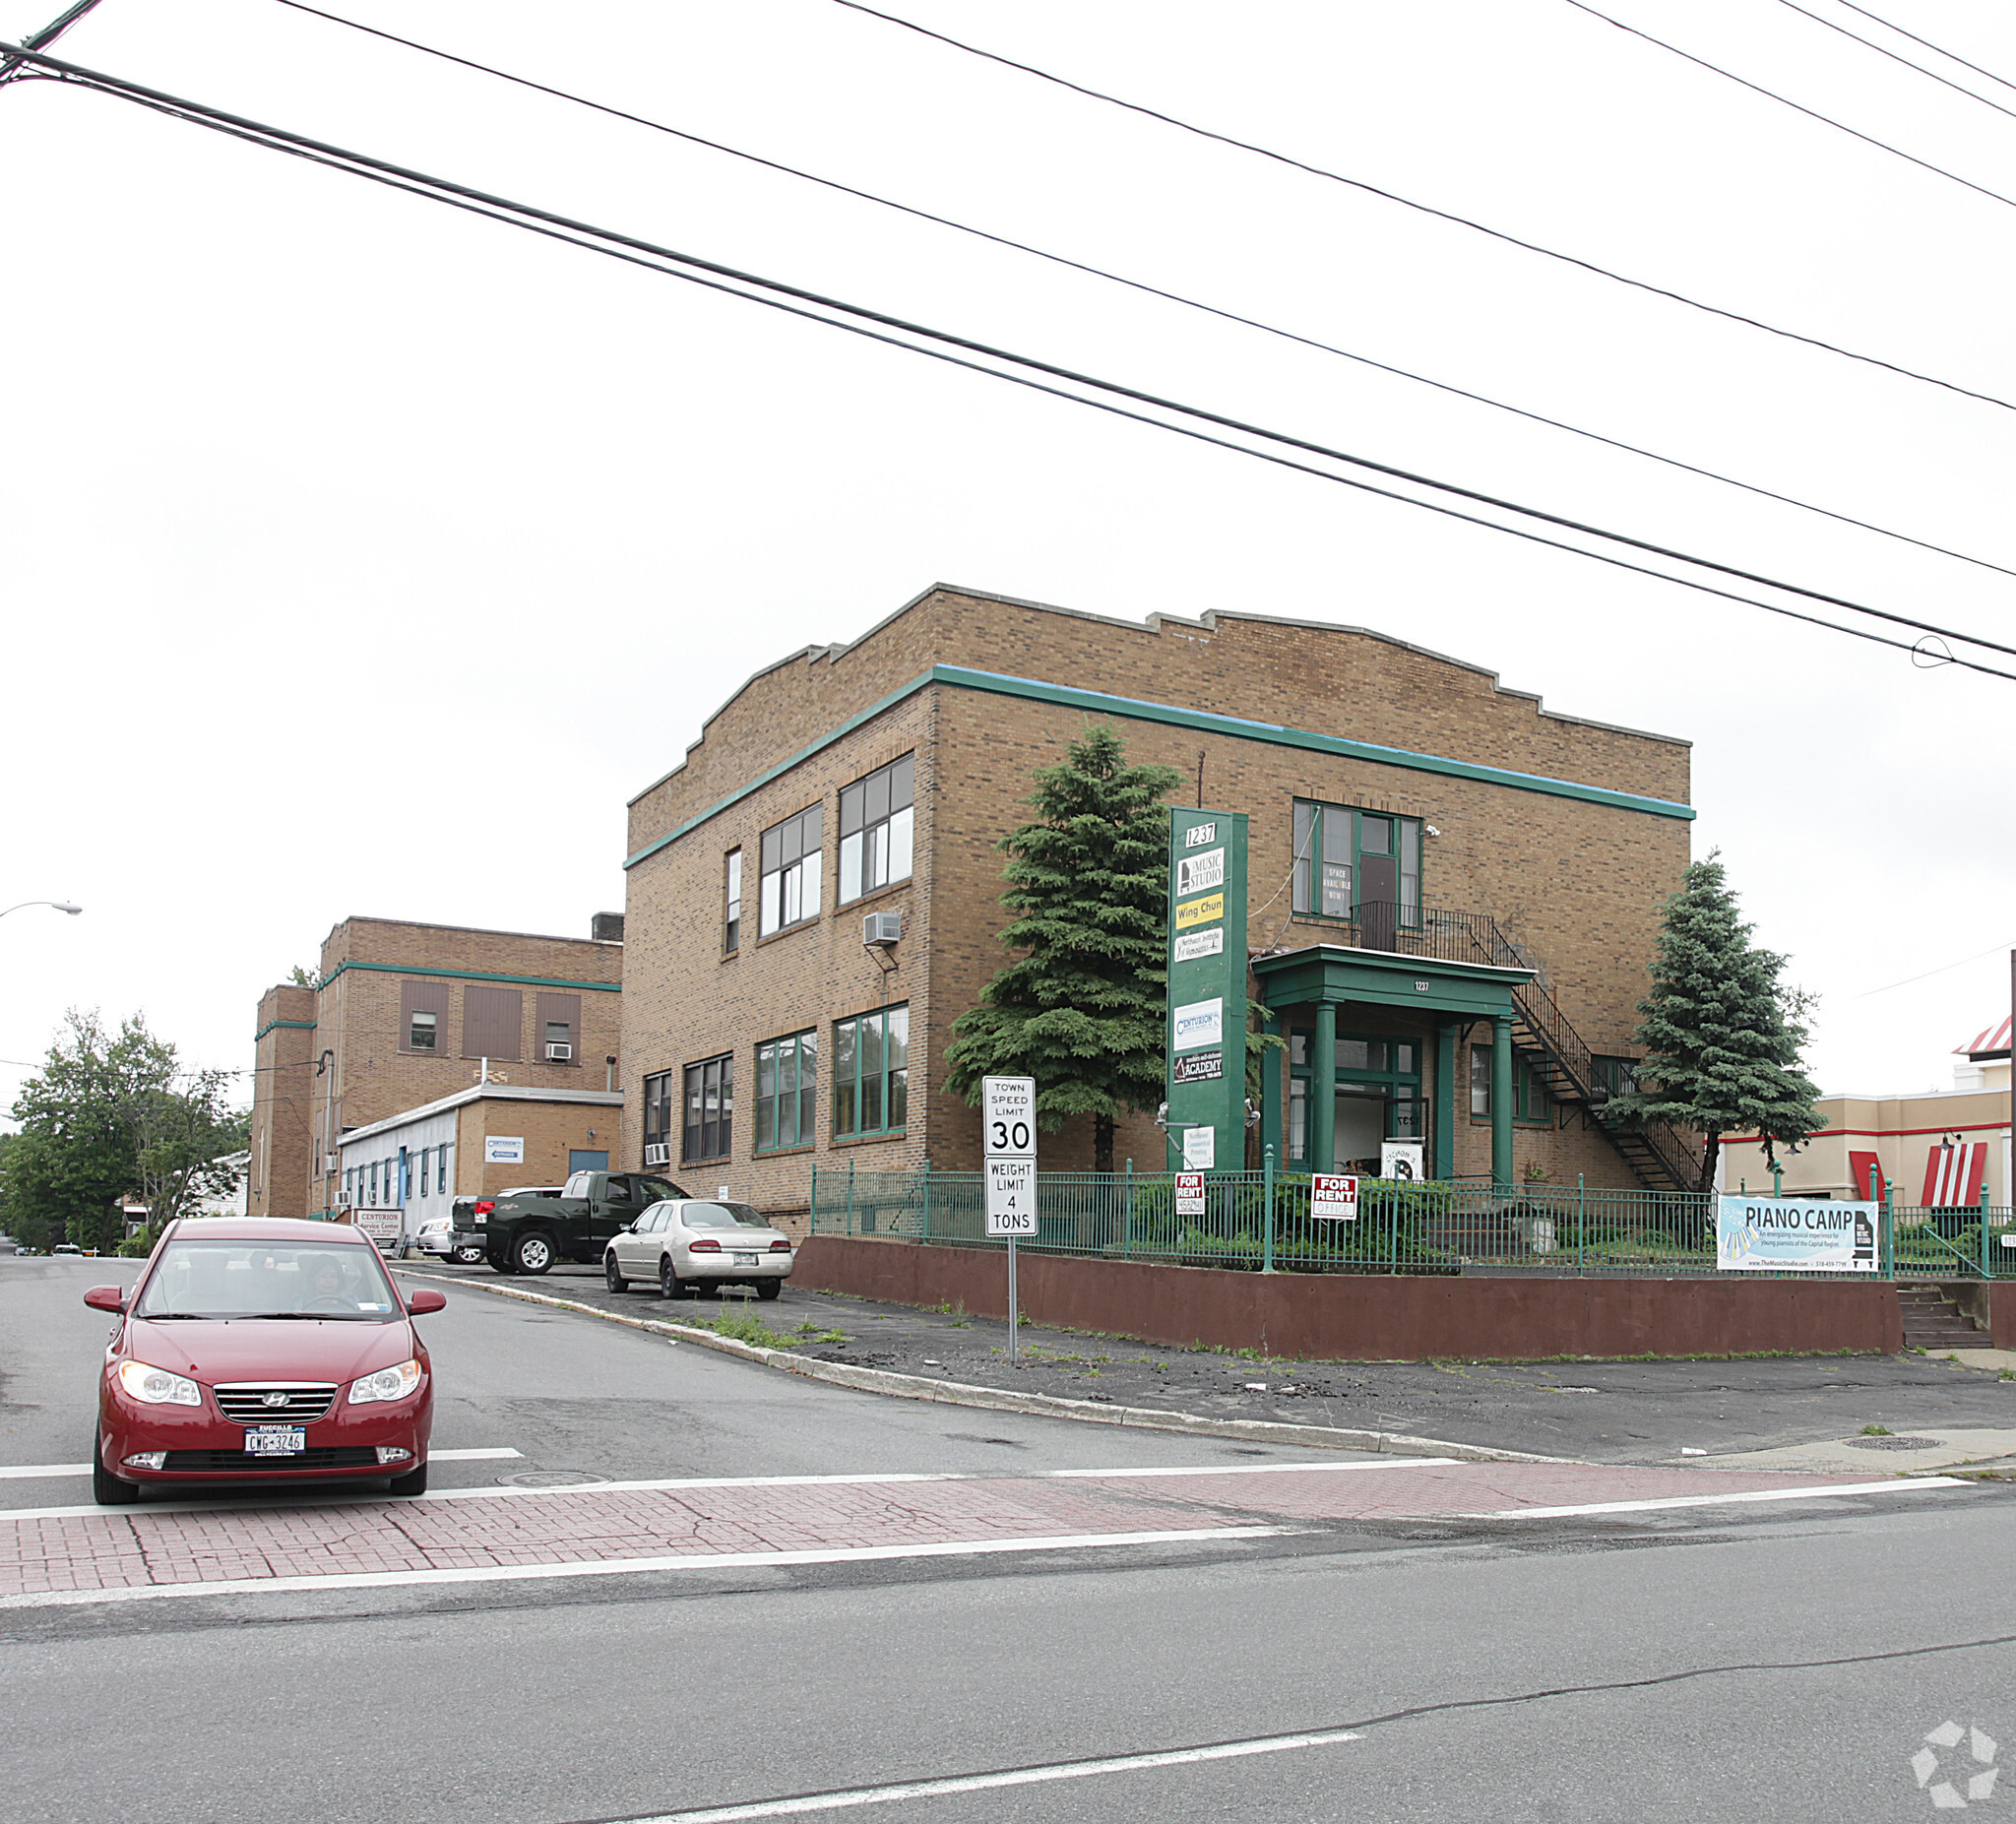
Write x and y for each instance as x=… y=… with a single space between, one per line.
x=1260 y=1220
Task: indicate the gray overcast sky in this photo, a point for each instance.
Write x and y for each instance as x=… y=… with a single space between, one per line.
x=365 y=557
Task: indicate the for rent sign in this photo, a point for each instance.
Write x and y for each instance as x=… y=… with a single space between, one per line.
x=1788 y=1235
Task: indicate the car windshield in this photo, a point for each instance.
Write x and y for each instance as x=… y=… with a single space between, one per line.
x=266 y=1279
x=721 y=1216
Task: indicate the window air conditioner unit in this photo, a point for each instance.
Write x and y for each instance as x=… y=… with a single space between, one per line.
x=559 y=1054
x=881 y=927
x=330 y=1163
x=658 y=1153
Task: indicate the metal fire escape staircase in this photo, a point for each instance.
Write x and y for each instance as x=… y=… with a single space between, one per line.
x=1660 y=1155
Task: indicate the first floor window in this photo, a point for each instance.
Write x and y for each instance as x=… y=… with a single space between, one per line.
x=441 y=1170
x=1530 y=1098
x=710 y=1108
x=658 y=1116
x=871 y=1072
x=1617 y=1075
x=787 y=1091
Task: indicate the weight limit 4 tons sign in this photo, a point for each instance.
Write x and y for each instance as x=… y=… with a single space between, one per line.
x=1008 y=1112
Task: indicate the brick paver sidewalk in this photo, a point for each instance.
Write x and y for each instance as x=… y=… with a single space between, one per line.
x=67 y=1551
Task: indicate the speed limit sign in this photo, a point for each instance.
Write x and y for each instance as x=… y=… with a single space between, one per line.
x=1008 y=1112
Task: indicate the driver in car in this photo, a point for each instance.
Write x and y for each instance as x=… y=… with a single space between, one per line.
x=328 y=1286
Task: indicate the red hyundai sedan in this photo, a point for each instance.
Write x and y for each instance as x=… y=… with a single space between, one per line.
x=262 y=1350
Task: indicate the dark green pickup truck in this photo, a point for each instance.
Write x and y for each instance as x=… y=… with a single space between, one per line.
x=528 y=1235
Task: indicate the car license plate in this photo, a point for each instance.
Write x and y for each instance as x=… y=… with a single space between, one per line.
x=745 y=1260
x=276 y=1440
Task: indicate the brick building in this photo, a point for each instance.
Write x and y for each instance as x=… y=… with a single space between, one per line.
x=1454 y=891
x=402 y=1015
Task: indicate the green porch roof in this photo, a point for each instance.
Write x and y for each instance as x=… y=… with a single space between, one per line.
x=1385 y=979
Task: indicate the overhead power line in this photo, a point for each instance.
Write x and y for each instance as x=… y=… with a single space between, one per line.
x=1892 y=26
x=1425 y=209
x=48 y=34
x=1799 y=107
x=881 y=327
x=1883 y=50
x=1136 y=284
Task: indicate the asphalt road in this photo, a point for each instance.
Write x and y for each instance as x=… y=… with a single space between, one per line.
x=1708 y=1663
x=1606 y=1412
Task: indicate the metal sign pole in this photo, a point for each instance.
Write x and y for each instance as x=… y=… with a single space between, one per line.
x=1014 y=1315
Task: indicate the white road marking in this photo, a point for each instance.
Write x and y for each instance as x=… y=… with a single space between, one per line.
x=337 y=1499
x=612 y=1567
x=1264 y=1469
x=1016 y=1776
x=83 y=1468
x=1902 y=1486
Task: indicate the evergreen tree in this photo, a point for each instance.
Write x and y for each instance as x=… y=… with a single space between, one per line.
x=1081 y=1006
x=1722 y=1035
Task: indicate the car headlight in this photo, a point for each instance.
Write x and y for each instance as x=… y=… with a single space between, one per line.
x=386 y=1384
x=157 y=1386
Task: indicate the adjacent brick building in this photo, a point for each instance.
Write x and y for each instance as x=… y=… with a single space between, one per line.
x=878 y=777
x=402 y=1015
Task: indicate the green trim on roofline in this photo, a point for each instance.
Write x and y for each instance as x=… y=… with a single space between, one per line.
x=1242 y=728
x=470 y=975
x=305 y=1026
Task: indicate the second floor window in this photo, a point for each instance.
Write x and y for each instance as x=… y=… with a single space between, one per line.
x=876 y=815
x=731 y=904
x=710 y=1108
x=421 y=1033
x=1346 y=859
x=871 y=1072
x=787 y=1091
x=789 y=891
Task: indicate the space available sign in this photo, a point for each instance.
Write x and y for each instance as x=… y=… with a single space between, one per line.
x=1205 y=1075
x=1794 y=1235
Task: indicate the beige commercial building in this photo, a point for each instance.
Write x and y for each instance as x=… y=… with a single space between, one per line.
x=815 y=890
x=1936 y=1149
x=402 y=1015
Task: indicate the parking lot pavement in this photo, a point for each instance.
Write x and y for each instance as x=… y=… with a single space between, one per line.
x=1605 y=1411
x=72 y=1555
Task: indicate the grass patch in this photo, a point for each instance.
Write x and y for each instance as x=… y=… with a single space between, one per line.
x=1875 y=1432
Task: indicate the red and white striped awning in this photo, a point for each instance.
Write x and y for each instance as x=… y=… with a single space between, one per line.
x=1995 y=1038
x=1953 y=1175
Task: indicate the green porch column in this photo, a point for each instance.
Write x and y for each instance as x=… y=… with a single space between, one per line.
x=1501 y=1104
x=1444 y=1113
x=1273 y=1095
x=1323 y=1091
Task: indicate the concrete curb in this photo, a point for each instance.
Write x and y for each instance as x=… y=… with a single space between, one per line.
x=1001 y=1400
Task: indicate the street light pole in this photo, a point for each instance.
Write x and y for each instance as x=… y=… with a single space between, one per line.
x=62 y=905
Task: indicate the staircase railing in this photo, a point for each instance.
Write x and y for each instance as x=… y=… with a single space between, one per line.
x=1452 y=936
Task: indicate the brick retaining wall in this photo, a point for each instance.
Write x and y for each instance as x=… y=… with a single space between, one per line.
x=1372 y=1317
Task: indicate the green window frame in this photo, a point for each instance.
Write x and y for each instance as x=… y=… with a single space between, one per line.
x=1531 y=1102
x=1387 y=1066
x=1332 y=843
x=871 y=1072
x=787 y=1091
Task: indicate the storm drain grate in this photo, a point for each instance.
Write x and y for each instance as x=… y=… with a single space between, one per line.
x=549 y=1478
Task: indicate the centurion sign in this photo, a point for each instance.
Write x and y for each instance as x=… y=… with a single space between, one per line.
x=1207 y=1019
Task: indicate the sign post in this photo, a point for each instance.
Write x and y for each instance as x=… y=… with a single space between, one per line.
x=1207 y=992
x=1008 y=1117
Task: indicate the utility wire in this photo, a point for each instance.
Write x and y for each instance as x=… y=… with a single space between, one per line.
x=1883 y=50
x=1888 y=26
x=773 y=294
x=1770 y=95
x=1425 y=209
x=1152 y=290
x=48 y=34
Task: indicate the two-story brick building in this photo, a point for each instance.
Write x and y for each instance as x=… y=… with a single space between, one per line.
x=1406 y=810
x=402 y=1015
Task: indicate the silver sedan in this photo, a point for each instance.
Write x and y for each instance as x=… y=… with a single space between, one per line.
x=684 y=1242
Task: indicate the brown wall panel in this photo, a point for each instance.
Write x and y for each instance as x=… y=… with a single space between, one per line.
x=1375 y=1318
